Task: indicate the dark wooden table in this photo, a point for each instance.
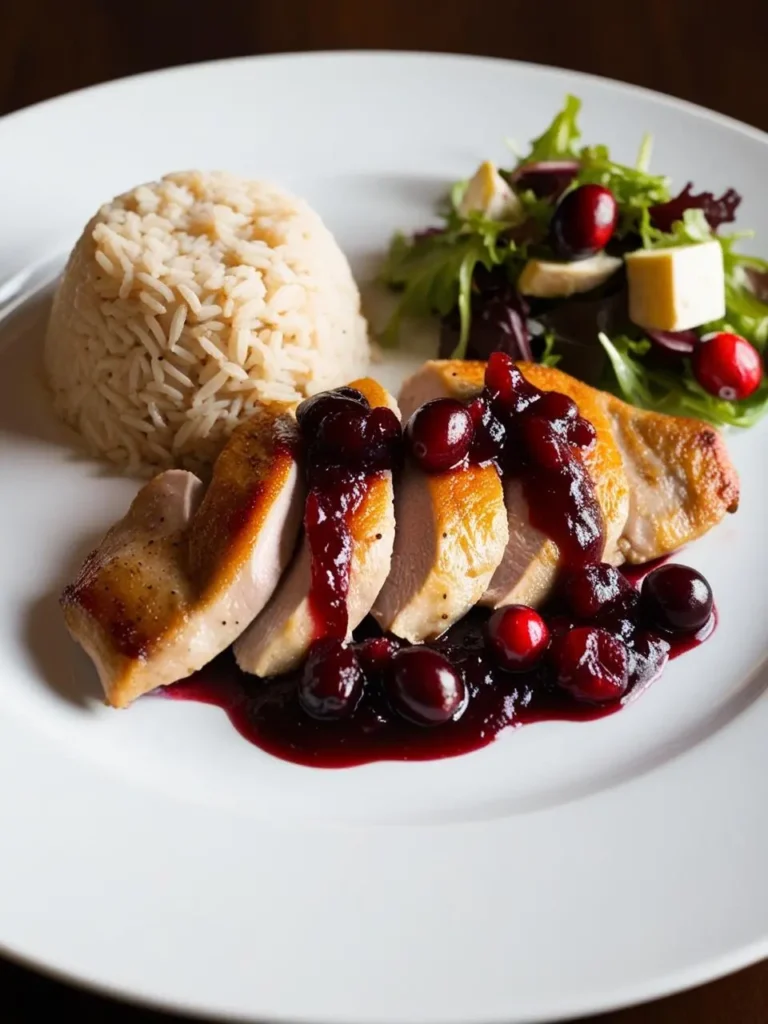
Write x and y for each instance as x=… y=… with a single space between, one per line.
x=708 y=51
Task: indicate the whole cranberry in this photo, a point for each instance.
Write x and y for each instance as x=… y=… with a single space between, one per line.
x=354 y=394
x=342 y=435
x=331 y=682
x=727 y=365
x=517 y=636
x=583 y=222
x=594 y=589
x=376 y=653
x=556 y=408
x=543 y=444
x=677 y=599
x=506 y=386
x=439 y=434
x=383 y=435
x=592 y=665
x=490 y=434
x=313 y=411
x=424 y=687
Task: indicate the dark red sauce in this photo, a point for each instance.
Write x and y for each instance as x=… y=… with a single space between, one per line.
x=267 y=712
x=327 y=515
x=536 y=437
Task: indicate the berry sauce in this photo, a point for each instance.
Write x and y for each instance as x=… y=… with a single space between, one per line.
x=327 y=513
x=605 y=636
x=267 y=713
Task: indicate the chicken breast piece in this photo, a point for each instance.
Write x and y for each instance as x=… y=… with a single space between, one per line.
x=451 y=536
x=661 y=481
x=281 y=636
x=182 y=574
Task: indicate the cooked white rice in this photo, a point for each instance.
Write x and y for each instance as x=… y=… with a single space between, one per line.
x=186 y=302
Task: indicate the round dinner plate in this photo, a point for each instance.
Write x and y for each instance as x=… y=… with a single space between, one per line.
x=154 y=853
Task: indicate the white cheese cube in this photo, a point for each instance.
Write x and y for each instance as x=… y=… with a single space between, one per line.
x=489 y=194
x=676 y=289
x=545 y=279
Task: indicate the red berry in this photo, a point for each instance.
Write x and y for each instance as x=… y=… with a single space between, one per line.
x=584 y=221
x=313 y=411
x=592 y=665
x=727 y=365
x=342 y=435
x=544 y=445
x=677 y=598
x=555 y=407
x=440 y=434
x=517 y=637
x=506 y=386
x=424 y=687
x=332 y=681
x=593 y=589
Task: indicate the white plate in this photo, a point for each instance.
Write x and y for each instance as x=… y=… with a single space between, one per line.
x=564 y=869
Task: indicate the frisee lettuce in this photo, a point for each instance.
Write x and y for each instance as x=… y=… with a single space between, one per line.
x=672 y=392
x=433 y=271
x=558 y=141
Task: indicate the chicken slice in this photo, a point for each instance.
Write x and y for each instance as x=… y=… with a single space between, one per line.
x=451 y=536
x=281 y=636
x=182 y=574
x=661 y=481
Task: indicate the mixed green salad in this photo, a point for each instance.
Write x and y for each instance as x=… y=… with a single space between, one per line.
x=571 y=259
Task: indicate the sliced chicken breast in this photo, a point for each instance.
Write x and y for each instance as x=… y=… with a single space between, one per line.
x=451 y=536
x=281 y=636
x=182 y=574
x=661 y=481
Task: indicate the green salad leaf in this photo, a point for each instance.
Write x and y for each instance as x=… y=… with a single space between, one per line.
x=673 y=393
x=433 y=271
x=559 y=140
x=635 y=190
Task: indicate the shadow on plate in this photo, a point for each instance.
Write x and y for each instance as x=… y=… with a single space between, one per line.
x=61 y=664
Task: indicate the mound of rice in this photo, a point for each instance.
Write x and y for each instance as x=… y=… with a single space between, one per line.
x=187 y=301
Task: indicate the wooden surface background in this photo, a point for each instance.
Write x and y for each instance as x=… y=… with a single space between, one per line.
x=710 y=51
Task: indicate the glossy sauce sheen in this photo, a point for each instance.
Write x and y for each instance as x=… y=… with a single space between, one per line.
x=267 y=712
x=326 y=521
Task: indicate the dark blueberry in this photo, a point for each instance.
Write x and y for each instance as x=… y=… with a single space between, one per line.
x=517 y=636
x=677 y=599
x=439 y=434
x=592 y=665
x=424 y=687
x=332 y=681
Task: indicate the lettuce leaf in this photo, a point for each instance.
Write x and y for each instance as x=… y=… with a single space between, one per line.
x=673 y=393
x=558 y=141
x=433 y=271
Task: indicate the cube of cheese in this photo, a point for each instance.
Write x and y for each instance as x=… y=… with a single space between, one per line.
x=676 y=289
x=545 y=279
x=489 y=194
